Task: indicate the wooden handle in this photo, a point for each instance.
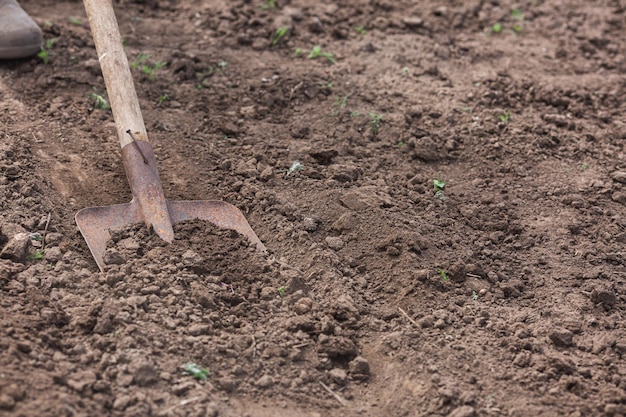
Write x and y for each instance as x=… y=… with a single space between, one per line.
x=116 y=71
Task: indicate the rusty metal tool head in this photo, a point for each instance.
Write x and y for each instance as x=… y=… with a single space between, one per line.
x=148 y=204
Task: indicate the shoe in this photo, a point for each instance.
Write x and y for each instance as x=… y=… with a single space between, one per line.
x=20 y=36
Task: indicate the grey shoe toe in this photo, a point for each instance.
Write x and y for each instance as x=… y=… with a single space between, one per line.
x=20 y=36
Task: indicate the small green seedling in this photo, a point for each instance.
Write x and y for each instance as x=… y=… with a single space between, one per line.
x=279 y=34
x=162 y=99
x=405 y=71
x=297 y=52
x=295 y=167
x=517 y=16
x=401 y=144
x=317 y=52
x=443 y=274
x=340 y=103
x=269 y=5
x=375 y=120
x=474 y=295
x=584 y=166
x=355 y=114
x=45 y=52
x=75 y=21
x=360 y=30
x=496 y=28
x=504 y=118
x=439 y=186
x=142 y=64
x=99 y=102
x=38 y=255
x=196 y=371
x=328 y=84
x=282 y=290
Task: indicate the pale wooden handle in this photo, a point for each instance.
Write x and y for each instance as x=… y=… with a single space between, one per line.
x=116 y=71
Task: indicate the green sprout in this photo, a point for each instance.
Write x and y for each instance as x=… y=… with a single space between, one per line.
x=443 y=274
x=163 y=98
x=297 y=52
x=295 y=167
x=496 y=28
x=355 y=114
x=142 y=64
x=439 y=186
x=269 y=5
x=38 y=255
x=75 y=21
x=340 y=103
x=375 y=120
x=504 y=118
x=517 y=15
x=45 y=53
x=405 y=71
x=474 y=295
x=99 y=102
x=360 y=29
x=317 y=52
x=279 y=34
x=196 y=371
x=282 y=290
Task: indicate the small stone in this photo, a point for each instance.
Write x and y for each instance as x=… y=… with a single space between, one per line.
x=150 y=289
x=199 y=329
x=619 y=196
x=267 y=174
x=190 y=257
x=227 y=384
x=392 y=251
x=17 y=248
x=303 y=305
x=334 y=242
x=413 y=22
x=359 y=368
x=426 y=322
x=354 y=201
x=121 y=402
x=339 y=376
x=346 y=221
x=425 y=149
x=53 y=254
x=310 y=224
x=344 y=308
x=337 y=347
x=268 y=293
x=113 y=257
x=229 y=128
x=146 y=375
x=561 y=337
x=440 y=324
x=6 y=402
x=619 y=176
x=522 y=359
x=463 y=411
x=81 y=380
x=265 y=381
x=183 y=388
x=604 y=297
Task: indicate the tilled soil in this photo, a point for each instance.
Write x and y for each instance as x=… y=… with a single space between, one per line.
x=439 y=185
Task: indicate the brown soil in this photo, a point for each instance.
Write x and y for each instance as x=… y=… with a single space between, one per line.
x=502 y=295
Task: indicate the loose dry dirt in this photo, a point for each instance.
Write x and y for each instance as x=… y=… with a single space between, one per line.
x=503 y=294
